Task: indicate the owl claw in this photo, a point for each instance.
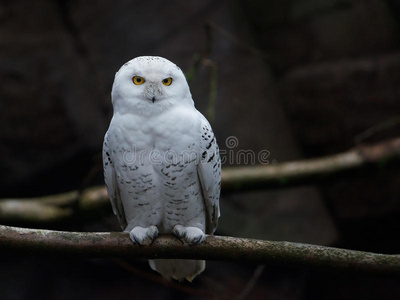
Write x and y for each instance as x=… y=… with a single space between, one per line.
x=144 y=236
x=178 y=234
x=192 y=235
x=197 y=240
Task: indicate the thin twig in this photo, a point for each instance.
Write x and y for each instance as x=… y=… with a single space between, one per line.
x=377 y=129
x=202 y=59
x=119 y=245
x=212 y=96
x=251 y=283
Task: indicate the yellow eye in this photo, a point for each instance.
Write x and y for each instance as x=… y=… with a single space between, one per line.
x=138 y=80
x=167 y=81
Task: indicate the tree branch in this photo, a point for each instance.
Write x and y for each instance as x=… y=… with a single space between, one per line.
x=305 y=171
x=94 y=201
x=55 y=208
x=118 y=245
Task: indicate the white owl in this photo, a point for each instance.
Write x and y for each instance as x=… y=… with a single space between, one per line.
x=161 y=161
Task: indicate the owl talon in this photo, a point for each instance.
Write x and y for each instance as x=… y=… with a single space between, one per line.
x=197 y=240
x=192 y=235
x=178 y=231
x=182 y=242
x=143 y=236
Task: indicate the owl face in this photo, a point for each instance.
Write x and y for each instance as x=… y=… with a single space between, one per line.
x=149 y=85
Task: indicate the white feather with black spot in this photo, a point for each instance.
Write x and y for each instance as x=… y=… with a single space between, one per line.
x=161 y=161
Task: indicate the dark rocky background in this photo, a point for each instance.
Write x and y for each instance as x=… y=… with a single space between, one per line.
x=299 y=78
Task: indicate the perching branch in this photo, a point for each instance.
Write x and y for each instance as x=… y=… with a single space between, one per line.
x=94 y=201
x=119 y=245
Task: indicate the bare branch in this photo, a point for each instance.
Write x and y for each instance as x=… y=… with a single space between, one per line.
x=55 y=208
x=94 y=201
x=306 y=171
x=118 y=245
x=377 y=129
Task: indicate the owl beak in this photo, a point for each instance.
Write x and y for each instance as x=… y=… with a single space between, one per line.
x=151 y=92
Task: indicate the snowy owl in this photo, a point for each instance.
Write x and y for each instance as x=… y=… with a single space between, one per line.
x=161 y=161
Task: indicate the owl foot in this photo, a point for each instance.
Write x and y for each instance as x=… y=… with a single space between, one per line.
x=192 y=235
x=143 y=235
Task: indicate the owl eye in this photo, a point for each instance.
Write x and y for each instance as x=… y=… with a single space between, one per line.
x=138 y=80
x=167 y=81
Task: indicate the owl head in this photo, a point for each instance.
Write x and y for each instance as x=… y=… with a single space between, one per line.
x=149 y=85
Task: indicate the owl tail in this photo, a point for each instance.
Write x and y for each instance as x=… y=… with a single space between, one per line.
x=178 y=269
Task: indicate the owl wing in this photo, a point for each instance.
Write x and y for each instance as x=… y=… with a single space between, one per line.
x=209 y=171
x=110 y=178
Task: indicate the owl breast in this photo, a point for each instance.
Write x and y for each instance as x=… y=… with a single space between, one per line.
x=156 y=165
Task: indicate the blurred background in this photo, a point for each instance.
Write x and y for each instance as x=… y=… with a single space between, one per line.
x=298 y=78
